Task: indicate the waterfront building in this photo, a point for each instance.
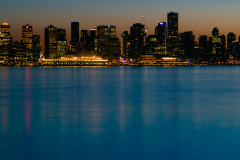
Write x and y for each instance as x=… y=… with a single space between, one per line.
x=125 y=45
x=106 y=43
x=152 y=45
x=61 y=42
x=51 y=42
x=84 y=41
x=36 y=46
x=203 y=47
x=137 y=39
x=186 y=44
x=93 y=35
x=74 y=43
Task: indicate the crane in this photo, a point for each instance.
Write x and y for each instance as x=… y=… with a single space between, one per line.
x=145 y=27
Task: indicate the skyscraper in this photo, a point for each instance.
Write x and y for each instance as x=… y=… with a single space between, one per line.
x=137 y=35
x=84 y=41
x=74 y=43
x=160 y=32
x=106 y=43
x=172 y=20
x=203 y=47
x=36 y=49
x=186 y=43
x=75 y=31
x=125 y=44
x=27 y=37
x=5 y=40
x=61 y=42
x=231 y=37
x=93 y=35
x=106 y=32
x=51 y=42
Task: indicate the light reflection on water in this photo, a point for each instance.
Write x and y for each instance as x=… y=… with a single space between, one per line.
x=119 y=113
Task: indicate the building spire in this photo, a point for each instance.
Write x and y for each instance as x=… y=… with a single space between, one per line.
x=5 y=19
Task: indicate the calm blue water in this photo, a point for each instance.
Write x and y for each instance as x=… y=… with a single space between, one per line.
x=170 y=113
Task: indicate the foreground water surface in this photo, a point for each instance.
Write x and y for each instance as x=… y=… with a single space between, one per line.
x=119 y=113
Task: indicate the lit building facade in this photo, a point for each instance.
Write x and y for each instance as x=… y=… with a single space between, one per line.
x=51 y=42
x=6 y=41
x=61 y=42
x=27 y=37
x=106 y=43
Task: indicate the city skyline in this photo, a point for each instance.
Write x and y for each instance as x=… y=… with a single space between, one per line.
x=193 y=16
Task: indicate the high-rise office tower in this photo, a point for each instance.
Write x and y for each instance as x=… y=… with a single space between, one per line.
x=203 y=47
x=106 y=43
x=160 y=32
x=231 y=37
x=75 y=31
x=152 y=45
x=51 y=42
x=187 y=43
x=106 y=32
x=74 y=43
x=93 y=35
x=6 y=40
x=61 y=42
x=223 y=45
x=172 y=20
x=36 y=49
x=125 y=44
x=137 y=35
x=110 y=32
x=27 y=37
x=101 y=32
x=215 y=52
x=84 y=41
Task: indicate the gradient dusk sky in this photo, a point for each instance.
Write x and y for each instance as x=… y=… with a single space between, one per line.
x=197 y=16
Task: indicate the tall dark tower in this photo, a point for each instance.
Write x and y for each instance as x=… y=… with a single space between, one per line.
x=75 y=31
x=93 y=35
x=51 y=42
x=161 y=34
x=230 y=38
x=84 y=41
x=172 y=19
x=215 y=32
x=36 y=46
x=203 y=47
x=74 y=44
x=137 y=35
